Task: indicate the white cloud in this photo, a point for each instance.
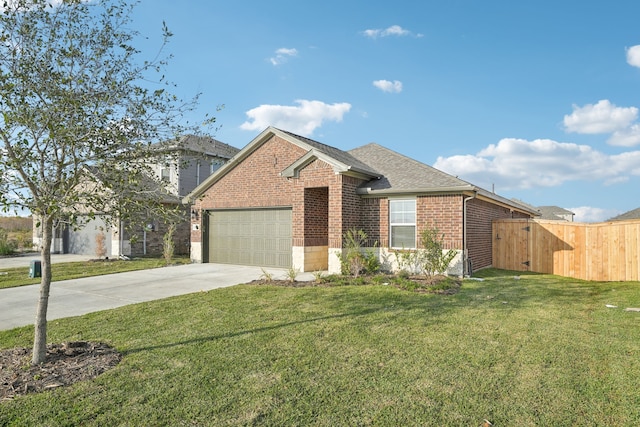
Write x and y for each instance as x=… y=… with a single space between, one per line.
x=602 y=117
x=592 y=214
x=633 y=56
x=394 y=30
x=282 y=55
x=520 y=164
x=388 y=86
x=627 y=137
x=302 y=119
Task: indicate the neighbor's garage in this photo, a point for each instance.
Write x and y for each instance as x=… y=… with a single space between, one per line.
x=260 y=237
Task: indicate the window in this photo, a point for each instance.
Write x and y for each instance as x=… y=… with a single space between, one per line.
x=402 y=223
x=165 y=174
x=215 y=165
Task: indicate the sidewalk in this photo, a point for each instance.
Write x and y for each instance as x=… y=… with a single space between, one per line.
x=24 y=260
x=80 y=296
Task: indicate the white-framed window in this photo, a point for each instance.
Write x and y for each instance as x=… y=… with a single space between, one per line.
x=216 y=164
x=402 y=223
x=165 y=174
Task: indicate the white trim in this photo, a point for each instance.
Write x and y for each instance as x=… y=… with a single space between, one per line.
x=406 y=224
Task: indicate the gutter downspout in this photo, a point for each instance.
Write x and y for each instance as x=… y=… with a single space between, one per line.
x=465 y=253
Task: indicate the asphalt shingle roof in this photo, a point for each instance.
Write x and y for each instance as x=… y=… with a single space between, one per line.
x=632 y=214
x=401 y=173
x=335 y=153
x=207 y=145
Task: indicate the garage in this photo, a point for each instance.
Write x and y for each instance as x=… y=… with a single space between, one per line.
x=84 y=240
x=260 y=237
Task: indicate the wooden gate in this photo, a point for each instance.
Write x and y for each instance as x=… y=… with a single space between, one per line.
x=511 y=242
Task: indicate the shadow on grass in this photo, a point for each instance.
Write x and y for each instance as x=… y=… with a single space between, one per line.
x=502 y=291
x=234 y=334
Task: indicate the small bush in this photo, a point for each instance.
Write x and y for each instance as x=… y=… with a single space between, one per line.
x=101 y=249
x=266 y=276
x=168 y=245
x=354 y=259
x=292 y=274
x=7 y=247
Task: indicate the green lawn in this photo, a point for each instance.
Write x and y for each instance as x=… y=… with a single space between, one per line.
x=12 y=277
x=534 y=351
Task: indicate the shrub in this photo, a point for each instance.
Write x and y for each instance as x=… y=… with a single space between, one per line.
x=434 y=259
x=266 y=276
x=429 y=259
x=355 y=260
x=7 y=247
x=292 y=273
x=168 y=245
x=101 y=249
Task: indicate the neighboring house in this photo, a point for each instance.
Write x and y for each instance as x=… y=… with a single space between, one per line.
x=551 y=213
x=555 y=213
x=197 y=158
x=632 y=214
x=287 y=201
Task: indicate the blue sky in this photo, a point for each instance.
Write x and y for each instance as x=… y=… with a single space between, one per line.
x=538 y=100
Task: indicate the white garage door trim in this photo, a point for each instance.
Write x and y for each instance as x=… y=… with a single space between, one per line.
x=260 y=237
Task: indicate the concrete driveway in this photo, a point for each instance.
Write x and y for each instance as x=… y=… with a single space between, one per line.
x=80 y=296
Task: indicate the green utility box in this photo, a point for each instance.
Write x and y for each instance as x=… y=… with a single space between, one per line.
x=35 y=269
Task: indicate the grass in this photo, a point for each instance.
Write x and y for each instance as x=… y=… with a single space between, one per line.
x=13 y=277
x=528 y=351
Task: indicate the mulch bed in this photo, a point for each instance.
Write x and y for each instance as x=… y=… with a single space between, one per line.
x=421 y=284
x=66 y=363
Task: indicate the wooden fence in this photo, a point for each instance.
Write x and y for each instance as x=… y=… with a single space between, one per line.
x=602 y=251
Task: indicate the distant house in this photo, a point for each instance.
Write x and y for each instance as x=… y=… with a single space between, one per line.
x=287 y=201
x=551 y=213
x=555 y=213
x=197 y=158
x=632 y=214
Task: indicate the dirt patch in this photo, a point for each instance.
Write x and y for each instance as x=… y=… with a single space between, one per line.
x=66 y=364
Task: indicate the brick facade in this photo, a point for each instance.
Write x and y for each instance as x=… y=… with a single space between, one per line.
x=325 y=204
x=480 y=216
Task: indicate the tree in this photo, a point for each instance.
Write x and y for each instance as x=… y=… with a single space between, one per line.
x=75 y=96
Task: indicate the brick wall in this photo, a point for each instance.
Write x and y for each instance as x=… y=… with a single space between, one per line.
x=256 y=182
x=480 y=215
x=316 y=216
x=375 y=221
x=444 y=212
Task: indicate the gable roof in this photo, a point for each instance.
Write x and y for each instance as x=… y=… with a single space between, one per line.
x=197 y=144
x=385 y=171
x=341 y=161
x=403 y=175
x=151 y=188
x=206 y=145
x=632 y=214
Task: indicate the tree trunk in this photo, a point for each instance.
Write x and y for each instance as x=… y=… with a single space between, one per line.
x=40 y=337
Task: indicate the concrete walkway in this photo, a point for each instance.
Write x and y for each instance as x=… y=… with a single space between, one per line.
x=80 y=296
x=25 y=260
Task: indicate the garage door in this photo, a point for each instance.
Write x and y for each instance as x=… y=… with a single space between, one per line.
x=84 y=240
x=259 y=237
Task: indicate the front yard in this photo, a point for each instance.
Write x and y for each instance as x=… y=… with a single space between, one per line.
x=524 y=350
x=19 y=276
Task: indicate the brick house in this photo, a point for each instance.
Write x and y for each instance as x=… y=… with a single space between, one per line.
x=285 y=200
